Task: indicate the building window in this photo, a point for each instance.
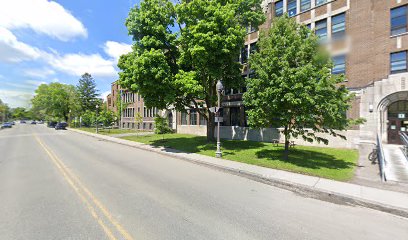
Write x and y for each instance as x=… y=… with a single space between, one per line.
x=338 y=26
x=183 y=118
x=320 y=2
x=305 y=5
x=253 y=48
x=279 y=8
x=399 y=20
x=399 y=62
x=235 y=116
x=339 y=65
x=251 y=29
x=203 y=121
x=321 y=29
x=292 y=8
x=244 y=55
x=193 y=117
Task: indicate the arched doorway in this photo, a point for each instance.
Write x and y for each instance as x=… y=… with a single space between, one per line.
x=397 y=116
x=393 y=116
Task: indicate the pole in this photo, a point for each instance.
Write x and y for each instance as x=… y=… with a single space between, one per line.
x=97 y=122
x=218 y=154
x=121 y=110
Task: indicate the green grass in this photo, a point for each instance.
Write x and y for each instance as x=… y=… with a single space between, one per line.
x=108 y=131
x=332 y=163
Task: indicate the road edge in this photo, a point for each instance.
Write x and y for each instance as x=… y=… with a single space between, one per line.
x=303 y=190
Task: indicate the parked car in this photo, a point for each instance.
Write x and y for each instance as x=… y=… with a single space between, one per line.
x=61 y=126
x=22 y=121
x=52 y=124
x=13 y=123
x=6 y=125
x=33 y=122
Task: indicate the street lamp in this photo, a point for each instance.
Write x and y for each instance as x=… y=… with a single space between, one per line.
x=97 y=122
x=220 y=88
x=69 y=118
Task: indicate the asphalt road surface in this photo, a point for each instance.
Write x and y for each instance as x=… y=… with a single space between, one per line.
x=64 y=185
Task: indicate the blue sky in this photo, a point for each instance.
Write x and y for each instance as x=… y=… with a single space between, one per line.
x=57 y=41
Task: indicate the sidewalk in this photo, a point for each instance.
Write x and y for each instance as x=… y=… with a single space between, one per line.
x=310 y=186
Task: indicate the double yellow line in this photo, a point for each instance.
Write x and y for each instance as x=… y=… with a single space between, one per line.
x=91 y=202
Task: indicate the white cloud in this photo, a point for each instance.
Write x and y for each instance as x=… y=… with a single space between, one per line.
x=78 y=64
x=105 y=94
x=42 y=16
x=34 y=83
x=116 y=49
x=15 y=98
x=13 y=50
x=39 y=73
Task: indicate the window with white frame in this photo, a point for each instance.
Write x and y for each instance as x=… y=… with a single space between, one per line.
x=339 y=26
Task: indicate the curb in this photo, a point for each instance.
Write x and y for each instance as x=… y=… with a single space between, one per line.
x=302 y=190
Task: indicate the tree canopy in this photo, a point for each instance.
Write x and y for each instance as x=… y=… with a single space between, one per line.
x=293 y=86
x=87 y=92
x=181 y=50
x=55 y=100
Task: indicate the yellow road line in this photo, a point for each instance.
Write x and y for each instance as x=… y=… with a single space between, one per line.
x=77 y=185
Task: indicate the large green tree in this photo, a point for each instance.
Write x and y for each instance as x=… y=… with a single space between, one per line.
x=293 y=87
x=181 y=50
x=55 y=100
x=87 y=92
x=20 y=113
x=4 y=111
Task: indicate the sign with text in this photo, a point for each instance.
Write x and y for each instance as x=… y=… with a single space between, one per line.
x=219 y=119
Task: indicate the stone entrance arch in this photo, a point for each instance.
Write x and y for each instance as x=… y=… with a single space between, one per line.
x=393 y=116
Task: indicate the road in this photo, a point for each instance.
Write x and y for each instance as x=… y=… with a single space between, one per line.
x=64 y=185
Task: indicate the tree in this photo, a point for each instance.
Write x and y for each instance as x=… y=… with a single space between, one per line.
x=106 y=117
x=20 y=113
x=293 y=86
x=54 y=101
x=161 y=125
x=4 y=111
x=87 y=92
x=138 y=119
x=181 y=68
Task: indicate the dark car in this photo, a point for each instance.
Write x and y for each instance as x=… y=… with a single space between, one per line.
x=33 y=122
x=22 y=121
x=6 y=125
x=52 y=124
x=61 y=126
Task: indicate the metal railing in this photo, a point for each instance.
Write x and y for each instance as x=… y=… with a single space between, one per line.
x=404 y=139
x=381 y=159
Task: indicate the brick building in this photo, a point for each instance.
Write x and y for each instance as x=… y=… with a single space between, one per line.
x=368 y=40
x=134 y=105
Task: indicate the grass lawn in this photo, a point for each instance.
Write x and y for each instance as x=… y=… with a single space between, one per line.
x=332 y=163
x=108 y=131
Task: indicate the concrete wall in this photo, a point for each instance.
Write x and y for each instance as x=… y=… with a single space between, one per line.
x=194 y=130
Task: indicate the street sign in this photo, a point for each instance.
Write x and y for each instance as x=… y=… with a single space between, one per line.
x=214 y=109
x=219 y=119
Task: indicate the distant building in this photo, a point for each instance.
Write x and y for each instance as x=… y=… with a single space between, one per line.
x=134 y=105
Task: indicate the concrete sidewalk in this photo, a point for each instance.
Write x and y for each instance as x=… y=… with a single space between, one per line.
x=310 y=186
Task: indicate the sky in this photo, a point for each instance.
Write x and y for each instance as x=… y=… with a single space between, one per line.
x=44 y=41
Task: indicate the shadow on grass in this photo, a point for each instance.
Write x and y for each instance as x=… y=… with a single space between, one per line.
x=305 y=158
x=198 y=143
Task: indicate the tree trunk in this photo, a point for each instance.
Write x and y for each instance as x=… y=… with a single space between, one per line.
x=287 y=138
x=210 y=127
